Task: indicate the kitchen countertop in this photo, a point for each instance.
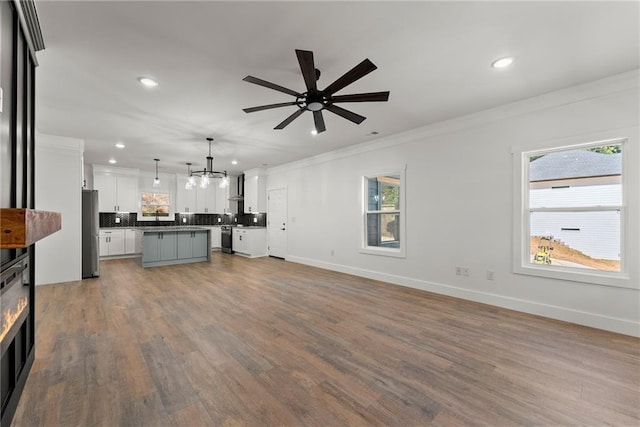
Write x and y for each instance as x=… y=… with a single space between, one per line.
x=178 y=227
x=172 y=228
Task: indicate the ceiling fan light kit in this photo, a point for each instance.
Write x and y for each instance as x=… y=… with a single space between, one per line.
x=316 y=100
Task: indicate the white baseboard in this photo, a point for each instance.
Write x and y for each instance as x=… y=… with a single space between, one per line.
x=597 y=321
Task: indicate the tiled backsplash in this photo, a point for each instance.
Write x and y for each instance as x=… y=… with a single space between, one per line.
x=131 y=220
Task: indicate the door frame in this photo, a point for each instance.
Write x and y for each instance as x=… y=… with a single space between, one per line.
x=286 y=213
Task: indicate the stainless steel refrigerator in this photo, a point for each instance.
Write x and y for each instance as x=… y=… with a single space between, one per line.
x=90 y=234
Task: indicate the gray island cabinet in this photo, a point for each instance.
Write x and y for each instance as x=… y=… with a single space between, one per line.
x=174 y=245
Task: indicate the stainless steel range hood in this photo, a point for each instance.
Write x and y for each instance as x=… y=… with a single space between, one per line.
x=240 y=193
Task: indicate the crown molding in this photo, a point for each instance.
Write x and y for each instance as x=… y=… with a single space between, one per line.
x=604 y=87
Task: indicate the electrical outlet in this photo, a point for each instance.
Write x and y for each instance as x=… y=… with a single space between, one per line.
x=184 y=220
x=458 y=271
x=255 y=220
x=117 y=220
x=465 y=271
x=491 y=275
x=219 y=219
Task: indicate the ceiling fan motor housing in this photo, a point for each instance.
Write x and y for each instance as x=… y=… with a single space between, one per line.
x=313 y=101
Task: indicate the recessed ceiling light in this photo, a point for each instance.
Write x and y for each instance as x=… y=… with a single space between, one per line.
x=234 y=162
x=112 y=161
x=148 y=82
x=314 y=132
x=119 y=145
x=502 y=62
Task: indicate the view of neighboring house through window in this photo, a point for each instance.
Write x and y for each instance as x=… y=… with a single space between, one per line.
x=155 y=204
x=575 y=208
x=382 y=214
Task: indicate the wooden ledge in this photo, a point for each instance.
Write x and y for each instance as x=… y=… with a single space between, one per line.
x=23 y=227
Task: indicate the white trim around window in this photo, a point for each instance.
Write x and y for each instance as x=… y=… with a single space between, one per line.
x=399 y=249
x=627 y=277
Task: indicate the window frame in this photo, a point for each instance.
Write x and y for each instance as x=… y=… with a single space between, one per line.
x=401 y=251
x=170 y=215
x=522 y=212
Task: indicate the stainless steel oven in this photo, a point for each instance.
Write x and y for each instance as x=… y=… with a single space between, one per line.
x=226 y=236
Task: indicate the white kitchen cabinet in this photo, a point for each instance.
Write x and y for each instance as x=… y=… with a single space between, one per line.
x=239 y=241
x=131 y=244
x=255 y=191
x=117 y=189
x=197 y=199
x=206 y=198
x=112 y=242
x=222 y=199
x=216 y=239
x=251 y=242
x=185 y=199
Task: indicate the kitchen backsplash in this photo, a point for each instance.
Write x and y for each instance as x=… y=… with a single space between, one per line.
x=131 y=220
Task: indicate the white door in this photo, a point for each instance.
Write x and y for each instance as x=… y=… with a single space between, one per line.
x=277 y=222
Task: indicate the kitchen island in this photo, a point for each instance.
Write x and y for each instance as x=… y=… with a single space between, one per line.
x=174 y=245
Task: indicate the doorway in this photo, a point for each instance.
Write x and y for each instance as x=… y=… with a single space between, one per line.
x=277 y=222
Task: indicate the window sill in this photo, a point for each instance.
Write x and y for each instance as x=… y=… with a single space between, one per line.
x=391 y=252
x=597 y=277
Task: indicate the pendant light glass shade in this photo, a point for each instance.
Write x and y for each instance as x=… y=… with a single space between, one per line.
x=156 y=180
x=191 y=181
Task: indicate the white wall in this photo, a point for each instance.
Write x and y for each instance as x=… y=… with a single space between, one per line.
x=459 y=191
x=59 y=188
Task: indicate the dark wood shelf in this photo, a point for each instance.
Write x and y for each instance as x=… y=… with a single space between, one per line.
x=23 y=227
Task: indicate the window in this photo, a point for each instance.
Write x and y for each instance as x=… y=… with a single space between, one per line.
x=571 y=219
x=155 y=205
x=383 y=214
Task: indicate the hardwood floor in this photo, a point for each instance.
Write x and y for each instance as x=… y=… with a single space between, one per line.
x=263 y=342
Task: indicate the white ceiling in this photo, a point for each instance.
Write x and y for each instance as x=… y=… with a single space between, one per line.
x=434 y=57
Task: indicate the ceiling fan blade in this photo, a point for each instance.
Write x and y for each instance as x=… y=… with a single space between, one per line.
x=308 y=69
x=362 y=97
x=289 y=119
x=319 y=121
x=349 y=115
x=357 y=72
x=267 y=107
x=270 y=85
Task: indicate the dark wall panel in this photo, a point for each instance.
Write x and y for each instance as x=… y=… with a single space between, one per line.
x=17 y=172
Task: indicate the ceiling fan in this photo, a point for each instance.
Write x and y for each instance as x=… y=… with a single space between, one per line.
x=316 y=100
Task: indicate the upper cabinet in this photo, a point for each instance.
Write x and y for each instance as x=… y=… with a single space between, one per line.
x=255 y=191
x=185 y=199
x=212 y=199
x=206 y=198
x=223 y=204
x=117 y=188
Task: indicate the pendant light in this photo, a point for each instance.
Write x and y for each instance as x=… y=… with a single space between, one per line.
x=191 y=181
x=156 y=181
x=208 y=173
